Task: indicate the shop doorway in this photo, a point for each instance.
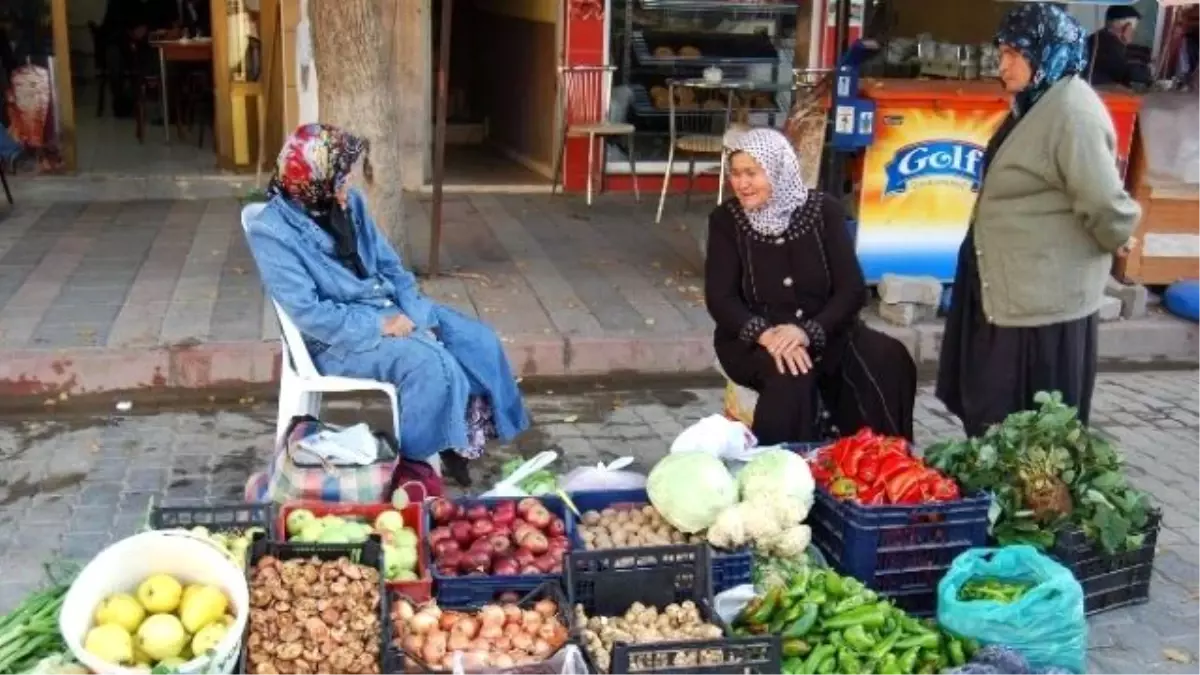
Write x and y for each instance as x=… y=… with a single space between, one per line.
x=501 y=104
x=124 y=55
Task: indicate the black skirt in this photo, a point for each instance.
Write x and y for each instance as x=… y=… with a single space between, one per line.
x=987 y=372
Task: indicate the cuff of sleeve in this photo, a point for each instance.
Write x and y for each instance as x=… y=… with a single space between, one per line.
x=753 y=329
x=816 y=334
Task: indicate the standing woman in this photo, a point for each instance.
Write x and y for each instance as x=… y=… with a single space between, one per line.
x=782 y=282
x=1052 y=212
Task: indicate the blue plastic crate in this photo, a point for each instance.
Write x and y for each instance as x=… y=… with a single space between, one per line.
x=479 y=590
x=901 y=551
x=729 y=568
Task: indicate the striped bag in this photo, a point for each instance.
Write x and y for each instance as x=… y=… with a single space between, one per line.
x=294 y=474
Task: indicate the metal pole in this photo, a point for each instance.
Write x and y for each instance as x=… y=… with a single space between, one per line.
x=834 y=175
x=439 y=137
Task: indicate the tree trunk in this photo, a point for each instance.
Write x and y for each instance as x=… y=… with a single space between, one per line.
x=353 y=44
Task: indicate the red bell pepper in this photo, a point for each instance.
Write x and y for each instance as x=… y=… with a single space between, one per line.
x=904 y=484
x=844 y=488
x=944 y=490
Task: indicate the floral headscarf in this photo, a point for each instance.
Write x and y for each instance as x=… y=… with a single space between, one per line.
x=314 y=164
x=777 y=158
x=1053 y=42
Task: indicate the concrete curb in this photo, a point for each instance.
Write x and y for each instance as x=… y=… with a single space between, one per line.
x=57 y=373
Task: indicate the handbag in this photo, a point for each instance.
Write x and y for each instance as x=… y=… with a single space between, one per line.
x=298 y=473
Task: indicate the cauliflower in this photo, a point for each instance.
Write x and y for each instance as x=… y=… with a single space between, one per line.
x=729 y=530
x=762 y=519
x=791 y=543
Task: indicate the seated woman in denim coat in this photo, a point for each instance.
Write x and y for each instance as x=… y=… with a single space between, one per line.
x=362 y=313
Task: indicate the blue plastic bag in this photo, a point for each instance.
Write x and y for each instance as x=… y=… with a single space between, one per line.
x=1047 y=624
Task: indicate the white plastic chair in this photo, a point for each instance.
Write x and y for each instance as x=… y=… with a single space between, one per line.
x=300 y=385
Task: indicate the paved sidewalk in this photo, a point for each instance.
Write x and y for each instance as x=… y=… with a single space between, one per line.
x=72 y=485
x=115 y=295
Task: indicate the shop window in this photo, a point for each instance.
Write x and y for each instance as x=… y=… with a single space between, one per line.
x=652 y=42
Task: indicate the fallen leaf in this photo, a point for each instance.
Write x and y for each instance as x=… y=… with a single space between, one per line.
x=571 y=419
x=1177 y=655
x=649 y=322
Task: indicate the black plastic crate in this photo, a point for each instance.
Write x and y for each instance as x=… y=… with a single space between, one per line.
x=1109 y=580
x=608 y=583
x=219 y=518
x=900 y=551
x=727 y=568
x=400 y=661
x=369 y=553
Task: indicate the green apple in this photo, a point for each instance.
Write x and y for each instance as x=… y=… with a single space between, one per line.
x=297 y=520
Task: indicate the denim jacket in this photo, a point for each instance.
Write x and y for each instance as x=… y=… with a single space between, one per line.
x=332 y=307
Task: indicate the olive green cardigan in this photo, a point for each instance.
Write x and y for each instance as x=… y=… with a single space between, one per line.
x=1051 y=212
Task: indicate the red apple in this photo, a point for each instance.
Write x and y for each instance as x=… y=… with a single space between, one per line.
x=524 y=556
x=502 y=530
x=461 y=531
x=475 y=561
x=505 y=512
x=439 y=533
x=557 y=569
x=526 y=504
x=530 y=569
x=499 y=543
x=557 y=550
x=451 y=560
x=557 y=527
x=536 y=542
x=481 y=544
x=444 y=546
x=545 y=563
x=505 y=567
x=476 y=511
x=521 y=532
x=481 y=528
x=443 y=510
x=538 y=517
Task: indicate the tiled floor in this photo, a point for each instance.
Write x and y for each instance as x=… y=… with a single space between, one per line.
x=148 y=273
x=109 y=145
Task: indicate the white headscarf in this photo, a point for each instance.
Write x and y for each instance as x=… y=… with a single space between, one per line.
x=775 y=155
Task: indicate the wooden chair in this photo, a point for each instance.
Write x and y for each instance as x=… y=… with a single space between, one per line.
x=583 y=93
x=99 y=64
x=4 y=182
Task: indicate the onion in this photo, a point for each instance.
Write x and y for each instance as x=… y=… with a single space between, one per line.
x=530 y=620
x=476 y=662
x=491 y=632
x=512 y=613
x=511 y=629
x=433 y=652
x=404 y=610
x=448 y=619
x=479 y=644
x=436 y=637
x=447 y=662
x=413 y=644
x=549 y=631
x=466 y=625
x=422 y=622
x=491 y=615
x=502 y=643
x=457 y=642
x=542 y=649
x=546 y=607
x=503 y=661
x=522 y=641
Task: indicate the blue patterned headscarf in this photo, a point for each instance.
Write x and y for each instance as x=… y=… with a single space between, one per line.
x=1052 y=41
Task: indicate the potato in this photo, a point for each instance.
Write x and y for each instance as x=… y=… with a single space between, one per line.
x=677 y=537
x=609 y=513
x=602 y=542
x=591 y=518
x=649 y=511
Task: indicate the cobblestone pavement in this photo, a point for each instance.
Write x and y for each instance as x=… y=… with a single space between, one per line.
x=73 y=485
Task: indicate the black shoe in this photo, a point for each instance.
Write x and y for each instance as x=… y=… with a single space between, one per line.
x=454 y=466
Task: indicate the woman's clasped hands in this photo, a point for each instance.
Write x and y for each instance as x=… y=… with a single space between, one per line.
x=788 y=345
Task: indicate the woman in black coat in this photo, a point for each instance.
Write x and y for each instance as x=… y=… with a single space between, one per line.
x=784 y=286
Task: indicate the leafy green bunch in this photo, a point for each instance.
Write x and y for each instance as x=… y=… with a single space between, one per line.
x=1048 y=441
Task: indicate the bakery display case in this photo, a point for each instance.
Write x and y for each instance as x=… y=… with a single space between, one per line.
x=745 y=46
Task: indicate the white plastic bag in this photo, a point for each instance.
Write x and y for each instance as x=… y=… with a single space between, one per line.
x=603 y=477
x=718 y=436
x=727 y=604
x=511 y=486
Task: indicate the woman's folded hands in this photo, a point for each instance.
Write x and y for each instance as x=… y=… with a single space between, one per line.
x=788 y=345
x=397 y=325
